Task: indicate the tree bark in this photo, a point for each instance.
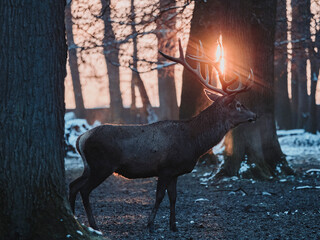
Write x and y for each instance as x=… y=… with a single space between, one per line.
x=205 y=27
x=282 y=101
x=315 y=65
x=167 y=43
x=249 y=31
x=73 y=63
x=33 y=202
x=300 y=31
x=111 y=54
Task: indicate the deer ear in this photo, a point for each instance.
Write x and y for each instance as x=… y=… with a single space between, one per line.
x=211 y=96
x=228 y=99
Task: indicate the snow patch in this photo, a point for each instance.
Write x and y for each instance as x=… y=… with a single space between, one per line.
x=313 y=170
x=306 y=187
x=201 y=200
x=69 y=115
x=72 y=130
x=94 y=231
x=219 y=148
x=298 y=142
x=281 y=133
x=266 y=194
x=244 y=167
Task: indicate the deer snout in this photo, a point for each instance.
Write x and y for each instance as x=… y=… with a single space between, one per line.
x=253 y=118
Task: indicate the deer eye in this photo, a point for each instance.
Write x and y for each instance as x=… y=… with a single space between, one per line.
x=238 y=107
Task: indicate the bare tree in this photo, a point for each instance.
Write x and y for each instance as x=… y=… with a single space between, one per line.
x=300 y=31
x=166 y=35
x=282 y=101
x=315 y=66
x=33 y=202
x=111 y=54
x=136 y=78
x=73 y=63
x=142 y=23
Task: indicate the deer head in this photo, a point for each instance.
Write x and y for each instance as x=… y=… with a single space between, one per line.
x=224 y=98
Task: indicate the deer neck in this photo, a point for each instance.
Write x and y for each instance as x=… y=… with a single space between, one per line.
x=208 y=128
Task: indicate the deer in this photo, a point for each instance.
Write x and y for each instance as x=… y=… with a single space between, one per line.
x=165 y=149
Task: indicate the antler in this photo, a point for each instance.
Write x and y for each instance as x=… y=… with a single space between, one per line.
x=208 y=61
x=197 y=72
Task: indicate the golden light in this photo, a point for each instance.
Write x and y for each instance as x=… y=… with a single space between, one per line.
x=220 y=55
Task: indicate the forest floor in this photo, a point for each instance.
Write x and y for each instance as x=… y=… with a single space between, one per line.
x=232 y=208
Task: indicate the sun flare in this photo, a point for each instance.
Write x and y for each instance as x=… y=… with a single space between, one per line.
x=220 y=55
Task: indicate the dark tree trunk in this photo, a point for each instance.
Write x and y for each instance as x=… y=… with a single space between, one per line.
x=312 y=120
x=204 y=27
x=294 y=95
x=149 y=111
x=33 y=202
x=73 y=63
x=300 y=31
x=166 y=42
x=111 y=54
x=315 y=65
x=282 y=101
x=249 y=31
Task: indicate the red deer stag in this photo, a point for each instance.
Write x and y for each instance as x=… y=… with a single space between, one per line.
x=165 y=149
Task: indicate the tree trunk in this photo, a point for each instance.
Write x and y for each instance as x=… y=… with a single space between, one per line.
x=249 y=31
x=204 y=27
x=166 y=42
x=111 y=54
x=300 y=31
x=315 y=65
x=73 y=63
x=312 y=120
x=33 y=202
x=282 y=101
x=149 y=111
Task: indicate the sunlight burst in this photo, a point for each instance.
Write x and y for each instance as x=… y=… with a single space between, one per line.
x=220 y=55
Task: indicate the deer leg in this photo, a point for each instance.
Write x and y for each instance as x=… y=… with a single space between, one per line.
x=74 y=188
x=161 y=188
x=172 y=193
x=92 y=182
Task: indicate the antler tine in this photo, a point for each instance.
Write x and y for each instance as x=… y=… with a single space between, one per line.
x=203 y=58
x=197 y=71
x=225 y=84
x=240 y=88
x=250 y=79
x=199 y=65
x=180 y=59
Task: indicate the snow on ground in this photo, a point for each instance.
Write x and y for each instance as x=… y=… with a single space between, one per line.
x=73 y=129
x=298 y=142
x=294 y=143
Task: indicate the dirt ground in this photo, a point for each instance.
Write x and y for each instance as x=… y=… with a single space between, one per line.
x=228 y=209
